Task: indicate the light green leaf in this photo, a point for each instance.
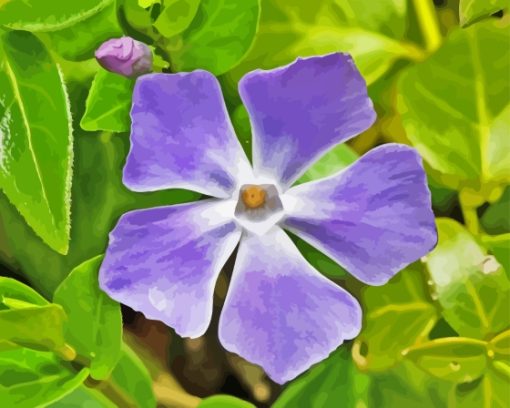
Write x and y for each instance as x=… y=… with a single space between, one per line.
x=303 y=28
x=133 y=380
x=336 y=159
x=224 y=401
x=490 y=391
x=94 y=327
x=38 y=327
x=79 y=41
x=176 y=16
x=456 y=359
x=84 y=397
x=398 y=315
x=31 y=378
x=218 y=37
x=108 y=103
x=456 y=119
x=13 y=289
x=499 y=246
x=36 y=15
x=500 y=344
x=325 y=384
x=472 y=288
x=36 y=142
x=473 y=10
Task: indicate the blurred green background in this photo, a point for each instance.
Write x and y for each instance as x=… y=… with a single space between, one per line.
x=437 y=335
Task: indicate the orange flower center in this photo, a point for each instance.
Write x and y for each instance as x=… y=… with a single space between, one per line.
x=254 y=196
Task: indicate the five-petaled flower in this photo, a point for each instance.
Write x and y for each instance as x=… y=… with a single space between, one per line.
x=373 y=218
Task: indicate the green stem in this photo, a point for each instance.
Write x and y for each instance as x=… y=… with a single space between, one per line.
x=112 y=391
x=429 y=25
x=470 y=216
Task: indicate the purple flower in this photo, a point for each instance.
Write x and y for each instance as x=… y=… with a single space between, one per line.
x=373 y=218
x=125 y=56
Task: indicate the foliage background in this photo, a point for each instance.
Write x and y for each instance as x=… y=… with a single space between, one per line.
x=438 y=72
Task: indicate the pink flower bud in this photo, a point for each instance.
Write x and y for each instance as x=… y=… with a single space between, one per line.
x=125 y=56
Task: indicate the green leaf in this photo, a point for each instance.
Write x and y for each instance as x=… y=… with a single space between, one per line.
x=79 y=41
x=398 y=315
x=490 y=391
x=474 y=10
x=36 y=15
x=500 y=344
x=495 y=219
x=36 y=143
x=472 y=288
x=132 y=379
x=13 y=289
x=224 y=401
x=94 y=327
x=303 y=28
x=108 y=103
x=31 y=378
x=458 y=121
x=176 y=16
x=39 y=327
x=499 y=246
x=325 y=384
x=84 y=396
x=218 y=37
x=456 y=359
x=336 y=159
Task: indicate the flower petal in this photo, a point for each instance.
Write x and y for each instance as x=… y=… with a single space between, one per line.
x=374 y=218
x=300 y=111
x=281 y=313
x=182 y=137
x=165 y=261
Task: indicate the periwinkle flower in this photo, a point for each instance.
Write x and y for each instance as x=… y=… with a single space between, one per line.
x=125 y=56
x=373 y=218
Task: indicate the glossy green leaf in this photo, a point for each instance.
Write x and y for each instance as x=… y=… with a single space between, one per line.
x=336 y=159
x=398 y=315
x=36 y=143
x=84 y=396
x=303 y=28
x=132 y=380
x=176 y=16
x=31 y=378
x=456 y=359
x=79 y=41
x=490 y=391
x=13 y=289
x=218 y=37
x=459 y=120
x=325 y=384
x=473 y=10
x=224 y=401
x=39 y=327
x=94 y=326
x=108 y=103
x=36 y=160
x=495 y=219
x=473 y=289
x=36 y=15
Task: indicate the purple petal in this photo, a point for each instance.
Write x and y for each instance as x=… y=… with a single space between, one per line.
x=300 y=111
x=164 y=262
x=374 y=218
x=182 y=137
x=281 y=313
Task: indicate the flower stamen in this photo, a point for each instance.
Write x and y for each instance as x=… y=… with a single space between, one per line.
x=253 y=196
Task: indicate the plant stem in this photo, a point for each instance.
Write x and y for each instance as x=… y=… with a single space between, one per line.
x=112 y=391
x=427 y=20
x=174 y=398
x=470 y=216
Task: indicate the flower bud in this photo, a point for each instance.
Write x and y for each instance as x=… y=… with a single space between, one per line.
x=125 y=56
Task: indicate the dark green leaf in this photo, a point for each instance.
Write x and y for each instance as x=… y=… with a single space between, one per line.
x=218 y=37
x=224 y=401
x=94 y=327
x=499 y=246
x=495 y=219
x=176 y=16
x=36 y=144
x=79 y=41
x=108 y=103
x=398 y=315
x=31 y=378
x=36 y=15
x=456 y=359
x=458 y=121
x=474 y=10
x=472 y=288
x=326 y=384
